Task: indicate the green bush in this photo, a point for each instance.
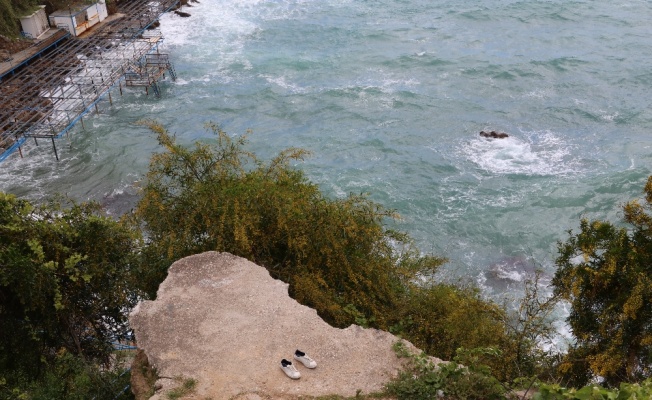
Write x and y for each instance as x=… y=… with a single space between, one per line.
x=68 y=377
x=464 y=378
x=604 y=272
x=336 y=254
x=626 y=391
x=65 y=283
x=68 y=275
x=440 y=318
x=528 y=354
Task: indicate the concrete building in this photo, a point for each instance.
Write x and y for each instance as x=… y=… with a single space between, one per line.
x=79 y=19
x=36 y=24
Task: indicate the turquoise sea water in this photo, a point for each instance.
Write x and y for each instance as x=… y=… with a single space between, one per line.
x=390 y=97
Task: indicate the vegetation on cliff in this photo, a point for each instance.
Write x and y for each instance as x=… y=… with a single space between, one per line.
x=605 y=273
x=336 y=254
x=68 y=275
x=66 y=280
x=10 y=13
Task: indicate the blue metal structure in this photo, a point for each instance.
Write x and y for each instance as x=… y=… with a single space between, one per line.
x=46 y=98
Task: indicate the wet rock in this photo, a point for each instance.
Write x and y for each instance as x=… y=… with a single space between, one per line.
x=182 y=14
x=494 y=134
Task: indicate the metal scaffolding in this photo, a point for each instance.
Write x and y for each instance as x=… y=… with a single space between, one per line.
x=45 y=99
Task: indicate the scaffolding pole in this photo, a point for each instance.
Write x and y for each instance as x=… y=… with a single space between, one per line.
x=47 y=97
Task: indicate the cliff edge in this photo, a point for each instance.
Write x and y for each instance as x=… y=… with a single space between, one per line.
x=223 y=321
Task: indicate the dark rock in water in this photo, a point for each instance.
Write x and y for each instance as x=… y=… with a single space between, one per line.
x=494 y=134
x=120 y=202
x=510 y=272
x=182 y=14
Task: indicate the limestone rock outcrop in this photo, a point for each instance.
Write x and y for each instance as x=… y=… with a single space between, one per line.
x=223 y=321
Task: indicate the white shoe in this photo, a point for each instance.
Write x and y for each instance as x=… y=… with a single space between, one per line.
x=290 y=369
x=304 y=359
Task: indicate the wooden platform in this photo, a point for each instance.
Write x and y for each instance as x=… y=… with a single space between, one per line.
x=49 y=38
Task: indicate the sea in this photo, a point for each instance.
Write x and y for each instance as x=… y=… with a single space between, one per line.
x=389 y=96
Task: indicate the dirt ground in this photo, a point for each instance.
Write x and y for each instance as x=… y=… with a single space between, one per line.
x=224 y=322
x=9 y=47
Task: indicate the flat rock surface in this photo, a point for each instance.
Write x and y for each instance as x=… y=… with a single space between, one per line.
x=223 y=321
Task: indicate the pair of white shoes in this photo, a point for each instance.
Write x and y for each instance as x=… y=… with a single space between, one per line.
x=289 y=368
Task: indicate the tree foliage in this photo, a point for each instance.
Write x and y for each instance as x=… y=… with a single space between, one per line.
x=605 y=272
x=67 y=275
x=10 y=13
x=441 y=318
x=335 y=254
x=465 y=377
x=65 y=283
x=528 y=350
x=625 y=391
x=68 y=377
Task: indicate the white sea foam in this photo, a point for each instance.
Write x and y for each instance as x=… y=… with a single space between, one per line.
x=608 y=117
x=540 y=93
x=31 y=174
x=389 y=122
x=385 y=81
x=376 y=79
x=208 y=21
x=538 y=153
x=281 y=81
x=508 y=271
x=564 y=337
x=213 y=36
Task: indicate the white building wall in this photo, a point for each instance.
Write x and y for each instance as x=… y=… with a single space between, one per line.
x=37 y=23
x=97 y=11
x=104 y=13
x=66 y=22
x=92 y=16
x=82 y=20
